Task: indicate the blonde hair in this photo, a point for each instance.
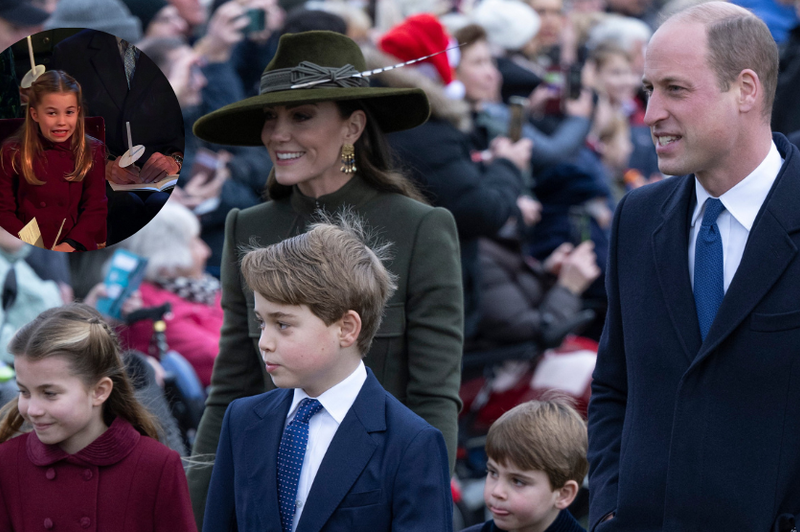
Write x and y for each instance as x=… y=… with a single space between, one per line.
x=26 y=142
x=78 y=333
x=330 y=269
x=548 y=436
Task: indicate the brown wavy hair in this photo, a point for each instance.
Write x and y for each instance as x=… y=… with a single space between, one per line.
x=373 y=160
x=26 y=143
x=78 y=333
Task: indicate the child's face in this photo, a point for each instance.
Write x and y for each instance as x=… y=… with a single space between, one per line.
x=58 y=404
x=299 y=350
x=57 y=115
x=520 y=500
x=616 y=79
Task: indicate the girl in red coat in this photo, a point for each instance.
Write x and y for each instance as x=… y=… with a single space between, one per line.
x=92 y=461
x=52 y=171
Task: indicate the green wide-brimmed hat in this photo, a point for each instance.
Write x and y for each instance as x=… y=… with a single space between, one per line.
x=313 y=66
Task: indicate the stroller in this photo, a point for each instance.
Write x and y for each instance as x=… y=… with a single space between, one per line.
x=184 y=392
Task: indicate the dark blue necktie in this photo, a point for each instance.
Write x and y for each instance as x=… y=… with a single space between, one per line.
x=291 y=453
x=709 y=284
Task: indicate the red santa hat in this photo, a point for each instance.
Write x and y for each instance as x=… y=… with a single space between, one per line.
x=418 y=36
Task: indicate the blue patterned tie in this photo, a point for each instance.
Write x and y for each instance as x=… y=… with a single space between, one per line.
x=130 y=61
x=291 y=453
x=708 y=267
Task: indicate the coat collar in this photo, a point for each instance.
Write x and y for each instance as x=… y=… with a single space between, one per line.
x=112 y=446
x=347 y=456
x=777 y=218
x=354 y=193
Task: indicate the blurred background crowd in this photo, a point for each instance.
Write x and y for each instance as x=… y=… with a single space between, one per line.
x=536 y=132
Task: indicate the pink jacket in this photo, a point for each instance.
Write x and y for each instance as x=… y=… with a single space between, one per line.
x=193 y=331
x=122 y=481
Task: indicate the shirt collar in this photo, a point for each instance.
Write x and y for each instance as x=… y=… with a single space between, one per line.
x=338 y=399
x=744 y=200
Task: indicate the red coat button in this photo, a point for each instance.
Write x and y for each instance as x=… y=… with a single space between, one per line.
x=42 y=204
x=50 y=474
x=87 y=474
x=48 y=523
x=86 y=522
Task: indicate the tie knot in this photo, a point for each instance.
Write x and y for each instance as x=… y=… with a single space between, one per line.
x=713 y=207
x=307 y=409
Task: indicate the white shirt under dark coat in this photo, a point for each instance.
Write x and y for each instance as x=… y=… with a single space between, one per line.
x=322 y=427
x=742 y=203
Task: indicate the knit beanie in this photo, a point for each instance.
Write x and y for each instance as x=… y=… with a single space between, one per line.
x=145 y=10
x=110 y=16
x=418 y=36
x=509 y=24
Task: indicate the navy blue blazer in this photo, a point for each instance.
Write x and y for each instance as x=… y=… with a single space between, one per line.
x=386 y=469
x=691 y=435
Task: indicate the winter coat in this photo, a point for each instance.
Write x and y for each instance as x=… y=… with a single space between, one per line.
x=193 y=330
x=82 y=204
x=122 y=481
x=416 y=354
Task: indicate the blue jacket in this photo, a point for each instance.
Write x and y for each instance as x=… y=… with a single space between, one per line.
x=385 y=470
x=690 y=435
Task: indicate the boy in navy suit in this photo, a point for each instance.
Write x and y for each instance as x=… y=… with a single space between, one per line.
x=331 y=450
x=537 y=461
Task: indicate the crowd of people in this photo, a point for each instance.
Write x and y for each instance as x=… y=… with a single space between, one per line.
x=518 y=174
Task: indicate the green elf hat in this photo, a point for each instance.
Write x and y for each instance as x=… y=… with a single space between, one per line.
x=314 y=66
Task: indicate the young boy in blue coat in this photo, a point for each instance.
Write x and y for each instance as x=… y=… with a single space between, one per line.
x=331 y=450
x=537 y=461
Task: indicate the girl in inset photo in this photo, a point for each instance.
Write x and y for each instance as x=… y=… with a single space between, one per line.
x=52 y=171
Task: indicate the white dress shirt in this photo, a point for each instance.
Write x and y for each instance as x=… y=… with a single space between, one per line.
x=336 y=402
x=742 y=203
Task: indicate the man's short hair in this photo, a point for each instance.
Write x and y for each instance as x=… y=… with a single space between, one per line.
x=548 y=436
x=737 y=39
x=330 y=269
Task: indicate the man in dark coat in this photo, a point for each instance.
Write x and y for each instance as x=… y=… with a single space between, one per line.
x=140 y=95
x=693 y=419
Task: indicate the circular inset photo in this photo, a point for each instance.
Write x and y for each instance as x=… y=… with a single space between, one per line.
x=92 y=139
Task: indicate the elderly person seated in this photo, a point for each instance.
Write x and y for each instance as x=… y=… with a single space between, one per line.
x=176 y=274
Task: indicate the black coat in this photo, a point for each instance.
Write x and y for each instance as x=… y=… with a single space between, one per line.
x=93 y=59
x=686 y=434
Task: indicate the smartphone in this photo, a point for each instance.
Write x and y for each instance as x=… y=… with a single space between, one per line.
x=257 y=20
x=206 y=162
x=516 y=105
x=123 y=278
x=573 y=81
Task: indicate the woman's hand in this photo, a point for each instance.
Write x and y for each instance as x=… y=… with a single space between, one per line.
x=531 y=210
x=518 y=152
x=224 y=31
x=579 y=268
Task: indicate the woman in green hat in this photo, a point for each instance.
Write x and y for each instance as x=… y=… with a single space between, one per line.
x=323 y=126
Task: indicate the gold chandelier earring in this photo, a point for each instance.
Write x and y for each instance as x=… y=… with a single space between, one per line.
x=348 y=159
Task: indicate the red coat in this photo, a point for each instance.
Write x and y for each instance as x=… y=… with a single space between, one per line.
x=122 y=481
x=193 y=331
x=83 y=204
